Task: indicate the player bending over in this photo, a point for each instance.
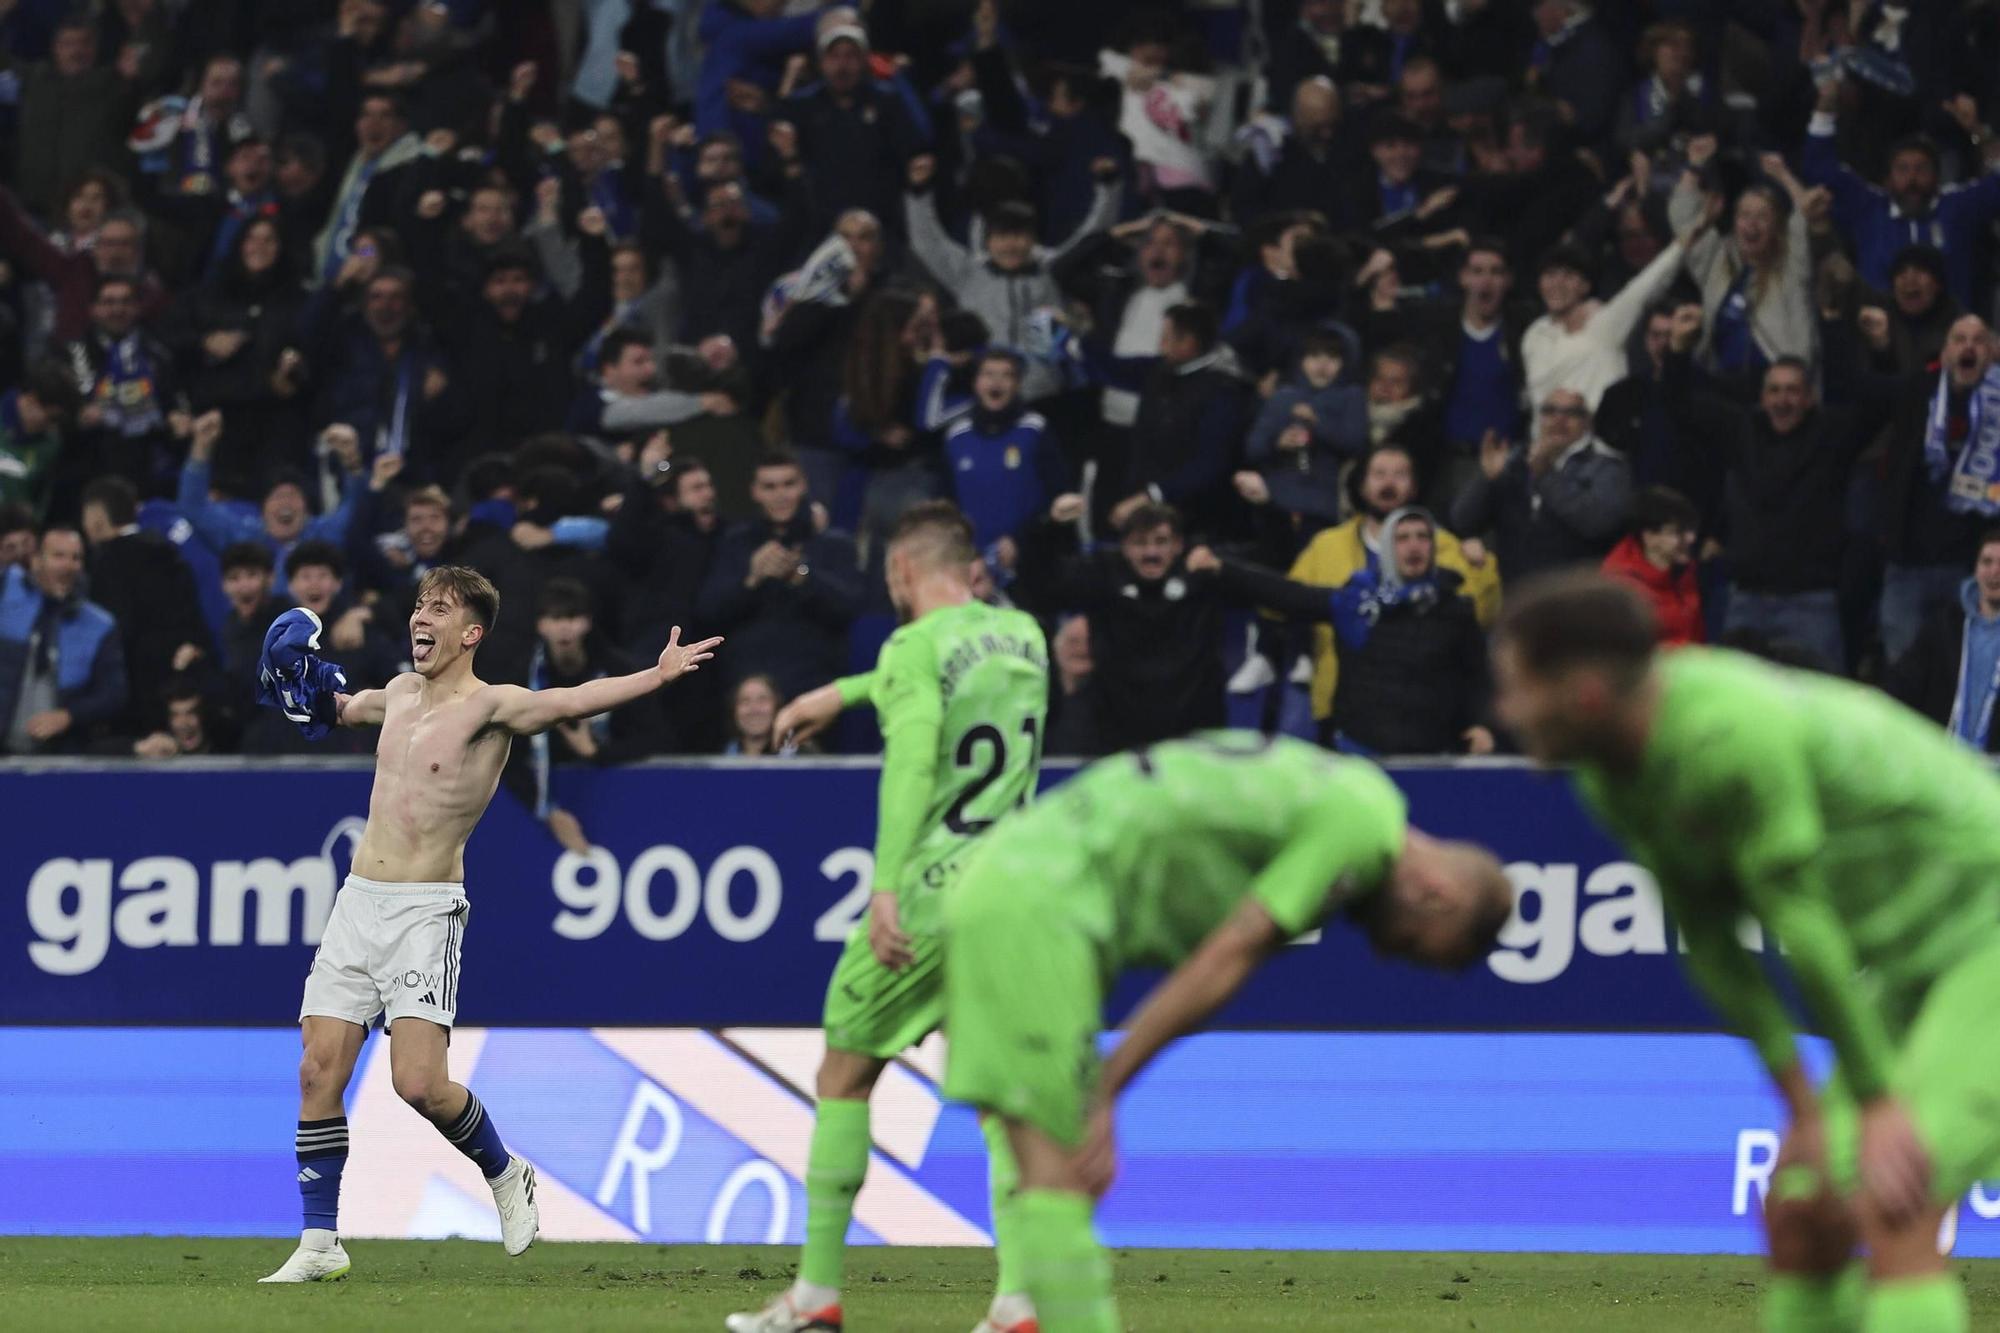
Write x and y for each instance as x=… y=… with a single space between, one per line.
x=1868 y=843
x=1207 y=854
x=961 y=690
x=392 y=943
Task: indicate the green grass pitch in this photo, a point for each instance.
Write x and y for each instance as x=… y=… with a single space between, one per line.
x=154 y=1283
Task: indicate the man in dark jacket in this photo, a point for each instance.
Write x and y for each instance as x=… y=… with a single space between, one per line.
x=74 y=113
x=1951 y=674
x=514 y=348
x=781 y=591
x=1189 y=430
x=1786 y=464
x=142 y=581
x=130 y=393
x=1559 y=502
x=664 y=538
x=1155 y=627
x=247 y=570
x=382 y=373
x=856 y=133
x=1314 y=164
x=62 y=663
x=1413 y=677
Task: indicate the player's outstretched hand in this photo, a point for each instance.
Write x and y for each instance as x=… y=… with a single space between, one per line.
x=806 y=716
x=885 y=933
x=678 y=659
x=1097 y=1160
x=1895 y=1169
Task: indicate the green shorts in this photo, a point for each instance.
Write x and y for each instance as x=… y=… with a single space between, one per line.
x=873 y=1011
x=1024 y=993
x=1947 y=1073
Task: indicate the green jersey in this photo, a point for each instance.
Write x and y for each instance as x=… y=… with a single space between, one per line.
x=961 y=695
x=1176 y=835
x=1862 y=836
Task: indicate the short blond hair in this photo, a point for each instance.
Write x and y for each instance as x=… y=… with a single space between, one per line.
x=466 y=586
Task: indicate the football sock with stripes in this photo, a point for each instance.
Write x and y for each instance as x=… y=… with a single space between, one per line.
x=322 y=1151
x=473 y=1134
x=1068 y=1274
x=835 y=1166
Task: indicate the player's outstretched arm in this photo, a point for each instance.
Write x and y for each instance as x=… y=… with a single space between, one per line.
x=526 y=712
x=366 y=708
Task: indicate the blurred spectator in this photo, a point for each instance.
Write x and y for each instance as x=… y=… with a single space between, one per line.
x=284 y=518
x=1384 y=482
x=1324 y=46
x=1951 y=671
x=393 y=563
x=17 y=537
x=73 y=270
x=62 y=663
x=1072 y=709
x=809 y=346
x=238 y=336
x=1657 y=557
x=663 y=539
x=1634 y=419
x=247 y=569
x=1940 y=480
x=1304 y=435
x=1672 y=99
x=73 y=111
x=1155 y=627
x=382 y=143
x=131 y=393
x=1575 y=61
x=1191 y=417
x=187 y=727
x=1786 y=464
x=783 y=591
x=1579 y=343
x=1314 y=164
x=143 y=582
x=856 y=131
x=569 y=652
x=753 y=705
x=1909 y=207
x=1399 y=412
x=1756 y=283
x=1912 y=319
x=1164 y=112
x=33 y=419
x=1013 y=279
x=1559 y=502
x=514 y=349
x=1004 y=467
x=372 y=649
x=1413 y=677
x=381 y=372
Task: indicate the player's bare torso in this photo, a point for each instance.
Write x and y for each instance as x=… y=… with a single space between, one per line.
x=437 y=763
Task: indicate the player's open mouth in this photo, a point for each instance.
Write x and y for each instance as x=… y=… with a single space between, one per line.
x=421 y=647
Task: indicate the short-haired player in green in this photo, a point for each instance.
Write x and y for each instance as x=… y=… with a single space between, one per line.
x=1207 y=855
x=1865 y=840
x=961 y=691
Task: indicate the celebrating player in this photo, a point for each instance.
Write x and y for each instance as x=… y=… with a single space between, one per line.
x=392 y=943
x=1209 y=853
x=1868 y=842
x=961 y=690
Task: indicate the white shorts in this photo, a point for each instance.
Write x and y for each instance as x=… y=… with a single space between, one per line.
x=389 y=949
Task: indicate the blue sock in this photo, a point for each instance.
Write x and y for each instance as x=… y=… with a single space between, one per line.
x=322 y=1149
x=474 y=1135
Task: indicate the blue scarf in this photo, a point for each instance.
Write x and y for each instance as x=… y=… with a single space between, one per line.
x=1975 y=476
x=126 y=389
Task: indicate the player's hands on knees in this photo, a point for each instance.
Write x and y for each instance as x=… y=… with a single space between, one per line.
x=806 y=716
x=885 y=933
x=1809 y=1225
x=1895 y=1168
x=1097 y=1159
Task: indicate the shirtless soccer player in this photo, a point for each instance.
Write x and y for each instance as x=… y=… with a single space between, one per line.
x=961 y=690
x=1867 y=842
x=1205 y=855
x=391 y=946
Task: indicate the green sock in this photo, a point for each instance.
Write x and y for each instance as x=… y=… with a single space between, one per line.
x=1004 y=1179
x=1068 y=1273
x=1934 y=1304
x=834 y=1168
x=1803 y=1303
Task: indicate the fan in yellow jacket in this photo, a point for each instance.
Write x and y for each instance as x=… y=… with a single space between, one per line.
x=1337 y=554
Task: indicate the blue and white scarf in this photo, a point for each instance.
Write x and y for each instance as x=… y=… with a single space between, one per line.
x=1975 y=477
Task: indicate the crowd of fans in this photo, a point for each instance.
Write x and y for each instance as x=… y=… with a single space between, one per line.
x=1264 y=342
